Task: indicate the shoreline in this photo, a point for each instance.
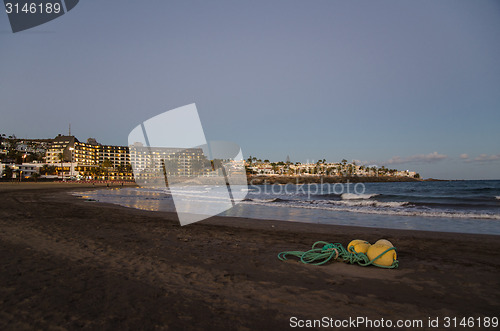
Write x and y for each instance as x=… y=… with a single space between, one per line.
x=278 y=179
x=75 y=264
x=58 y=185
x=81 y=187
x=467 y=223
x=68 y=188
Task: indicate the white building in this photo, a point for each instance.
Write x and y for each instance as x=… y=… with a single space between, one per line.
x=24 y=170
x=27 y=170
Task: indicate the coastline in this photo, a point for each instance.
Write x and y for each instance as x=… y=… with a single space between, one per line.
x=58 y=185
x=72 y=263
x=276 y=179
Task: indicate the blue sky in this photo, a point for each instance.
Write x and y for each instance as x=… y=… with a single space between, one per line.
x=406 y=84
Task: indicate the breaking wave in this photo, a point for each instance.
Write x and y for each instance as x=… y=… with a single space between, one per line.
x=381 y=208
x=371 y=203
x=353 y=196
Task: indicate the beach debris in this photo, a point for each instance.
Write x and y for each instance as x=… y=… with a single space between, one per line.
x=384 y=242
x=381 y=254
x=358 y=246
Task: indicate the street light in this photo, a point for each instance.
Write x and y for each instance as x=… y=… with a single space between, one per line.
x=21 y=172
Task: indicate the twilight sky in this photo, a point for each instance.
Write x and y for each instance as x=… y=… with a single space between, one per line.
x=405 y=84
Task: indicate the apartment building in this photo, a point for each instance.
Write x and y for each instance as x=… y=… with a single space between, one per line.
x=85 y=157
x=152 y=162
x=118 y=156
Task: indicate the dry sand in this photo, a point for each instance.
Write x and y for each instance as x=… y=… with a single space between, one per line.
x=67 y=263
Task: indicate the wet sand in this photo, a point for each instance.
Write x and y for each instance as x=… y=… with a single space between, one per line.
x=67 y=263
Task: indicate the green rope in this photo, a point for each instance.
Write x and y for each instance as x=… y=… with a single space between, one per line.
x=319 y=256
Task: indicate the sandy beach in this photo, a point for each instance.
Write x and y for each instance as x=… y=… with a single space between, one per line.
x=67 y=263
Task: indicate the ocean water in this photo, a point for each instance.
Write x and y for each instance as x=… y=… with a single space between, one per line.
x=449 y=206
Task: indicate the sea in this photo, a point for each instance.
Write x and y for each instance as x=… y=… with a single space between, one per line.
x=471 y=206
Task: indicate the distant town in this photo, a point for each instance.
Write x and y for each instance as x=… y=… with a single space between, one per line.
x=322 y=168
x=67 y=158
x=64 y=158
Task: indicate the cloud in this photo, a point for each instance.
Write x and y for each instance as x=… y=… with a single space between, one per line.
x=425 y=158
x=484 y=158
x=464 y=156
x=359 y=162
x=395 y=160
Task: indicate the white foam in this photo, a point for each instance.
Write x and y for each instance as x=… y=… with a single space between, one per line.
x=497 y=197
x=380 y=211
x=371 y=203
x=267 y=200
x=352 y=196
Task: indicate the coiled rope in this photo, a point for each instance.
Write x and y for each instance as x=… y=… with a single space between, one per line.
x=321 y=255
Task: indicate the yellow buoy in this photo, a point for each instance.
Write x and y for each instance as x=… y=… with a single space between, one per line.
x=386 y=259
x=358 y=246
x=384 y=242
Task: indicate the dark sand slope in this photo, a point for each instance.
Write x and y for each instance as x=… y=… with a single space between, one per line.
x=67 y=263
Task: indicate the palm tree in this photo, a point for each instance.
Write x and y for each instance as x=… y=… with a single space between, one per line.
x=44 y=169
x=94 y=172
x=172 y=166
x=60 y=156
x=197 y=167
x=350 y=169
x=7 y=172
x=106 y=164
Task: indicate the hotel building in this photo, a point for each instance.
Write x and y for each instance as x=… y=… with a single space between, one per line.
x=86 y=158
x=154 y=162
